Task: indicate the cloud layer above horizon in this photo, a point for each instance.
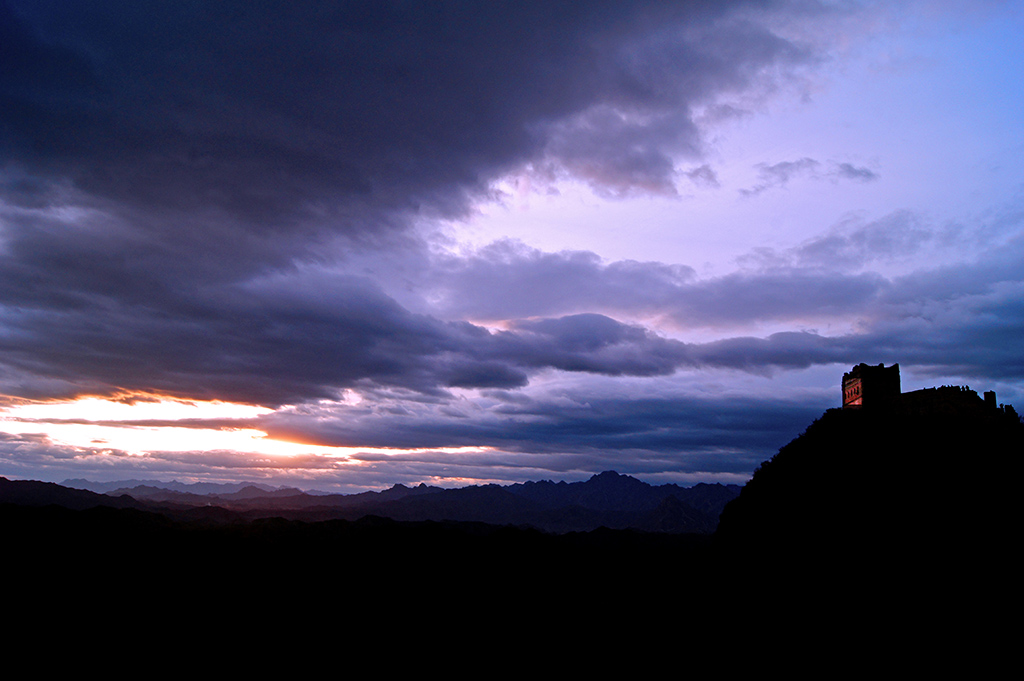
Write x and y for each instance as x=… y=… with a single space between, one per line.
x=500 y=241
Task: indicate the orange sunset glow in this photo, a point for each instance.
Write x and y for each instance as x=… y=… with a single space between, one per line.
x=135 y=426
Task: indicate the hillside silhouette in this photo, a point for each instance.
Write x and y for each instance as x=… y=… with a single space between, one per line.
x=903 y=481
x=898 y=531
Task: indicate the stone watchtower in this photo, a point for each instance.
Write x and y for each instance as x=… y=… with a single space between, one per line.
x=866 y=385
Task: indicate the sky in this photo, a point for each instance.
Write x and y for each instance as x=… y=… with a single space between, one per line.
x=345 y=245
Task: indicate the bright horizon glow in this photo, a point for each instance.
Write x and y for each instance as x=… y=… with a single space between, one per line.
x=60 y=423
x=135 y=408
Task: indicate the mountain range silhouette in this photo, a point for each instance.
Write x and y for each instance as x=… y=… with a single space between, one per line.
x=608 y=500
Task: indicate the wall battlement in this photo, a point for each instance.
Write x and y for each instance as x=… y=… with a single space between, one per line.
x=878 y=387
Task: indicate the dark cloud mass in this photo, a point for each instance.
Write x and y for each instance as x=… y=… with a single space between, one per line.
x=168 y=166
x=276 y=113
x=712 y=434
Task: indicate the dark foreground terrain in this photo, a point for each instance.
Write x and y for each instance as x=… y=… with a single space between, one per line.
x=892 y=531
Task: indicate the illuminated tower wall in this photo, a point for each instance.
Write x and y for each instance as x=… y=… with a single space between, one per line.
x=866 y=385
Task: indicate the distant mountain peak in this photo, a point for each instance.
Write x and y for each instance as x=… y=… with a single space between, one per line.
x=608 y=475
x=616 y=479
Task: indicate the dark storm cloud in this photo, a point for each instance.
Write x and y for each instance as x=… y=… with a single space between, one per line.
x=105 y=321
x=581 y=429
x=171 y=172
x=269 y=340
x=636 y=145
x=263 y=343
x=82 y=317
x=277 y=112
x=591 y=343
x=99 y=321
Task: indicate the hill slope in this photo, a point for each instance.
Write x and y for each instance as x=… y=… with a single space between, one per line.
x=912 y=485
